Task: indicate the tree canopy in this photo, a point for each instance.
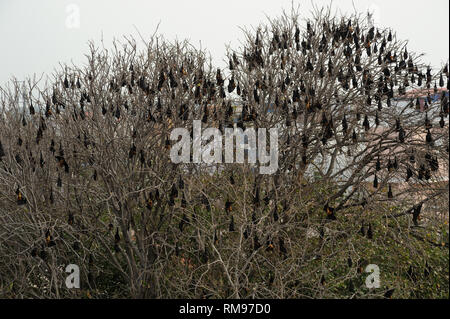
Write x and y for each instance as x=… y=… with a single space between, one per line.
x=86 y=176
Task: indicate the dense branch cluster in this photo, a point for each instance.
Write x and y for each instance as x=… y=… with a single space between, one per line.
x=86 y=176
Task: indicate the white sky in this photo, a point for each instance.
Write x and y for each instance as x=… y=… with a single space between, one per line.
x=34 y=37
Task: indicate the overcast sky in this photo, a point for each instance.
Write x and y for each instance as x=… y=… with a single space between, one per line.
x=36 y=35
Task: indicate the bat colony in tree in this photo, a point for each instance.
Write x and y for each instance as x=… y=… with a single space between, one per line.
x=86 y=176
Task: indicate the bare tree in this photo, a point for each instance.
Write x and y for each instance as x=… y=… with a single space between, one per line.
x=86 y=176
